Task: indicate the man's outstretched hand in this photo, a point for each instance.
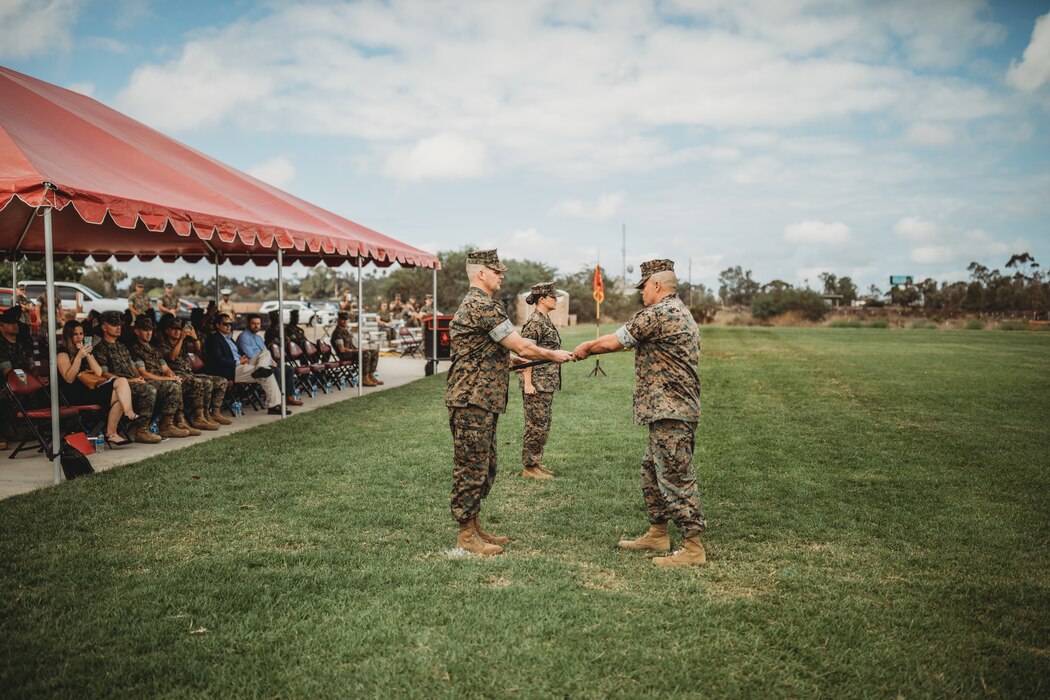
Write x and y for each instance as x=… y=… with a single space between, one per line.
x=582 y=352
x=563 y=356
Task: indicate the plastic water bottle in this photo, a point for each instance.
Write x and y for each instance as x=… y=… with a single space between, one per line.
x=328 y=386
x=238 y=407
x=296 y=393
x=100 y=442
x=313 y=391
x=154 y=426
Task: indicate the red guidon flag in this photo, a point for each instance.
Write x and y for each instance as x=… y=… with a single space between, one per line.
x=599 y=288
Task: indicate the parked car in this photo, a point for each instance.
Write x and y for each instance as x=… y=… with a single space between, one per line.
x=307 y=314
x=7 y=298
x=76 y=297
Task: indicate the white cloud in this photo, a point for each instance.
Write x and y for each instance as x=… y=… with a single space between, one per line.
x=200 y=89
x=34 y=27
x=813 y=231
x=927 y=134
x=604 y=207
x=279 y=172
x=445 y=156
x=522 y=244
x=915 y=229
x=1034 y=69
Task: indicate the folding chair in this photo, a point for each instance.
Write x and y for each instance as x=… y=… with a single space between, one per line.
x=316 y=374
x=346 y=369
x=22 y=387
x=300 y=372
x=328 y=367
x=410 y=345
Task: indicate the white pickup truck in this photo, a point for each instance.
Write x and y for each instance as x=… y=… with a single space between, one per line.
x=76 y=297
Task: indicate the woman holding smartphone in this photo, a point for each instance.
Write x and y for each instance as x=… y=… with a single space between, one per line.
x=115 y=393
x=538 y=384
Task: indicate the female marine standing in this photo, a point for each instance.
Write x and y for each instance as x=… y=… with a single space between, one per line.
x=539 y=383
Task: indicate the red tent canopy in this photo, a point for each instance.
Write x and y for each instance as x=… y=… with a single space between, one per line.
x=122 y=189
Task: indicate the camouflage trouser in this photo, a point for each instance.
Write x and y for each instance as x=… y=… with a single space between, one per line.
x=369 y=360
x=169 y=397
x=143 y=399
x=537 y=427
x=474 y=442
x=668 y=481
x=204 y=392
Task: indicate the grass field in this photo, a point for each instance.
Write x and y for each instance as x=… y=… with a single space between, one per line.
x=878 y=525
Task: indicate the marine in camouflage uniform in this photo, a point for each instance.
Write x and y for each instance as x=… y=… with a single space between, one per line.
x=16 y=353
x=204 y=391
x=169 y=392
x=139 y=304
x=666 y=399
x=545 y=379
x=345 y=346
x=170 y=300
x=114 y=358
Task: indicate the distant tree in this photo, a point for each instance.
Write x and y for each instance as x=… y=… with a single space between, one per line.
x=103 y=278
x=191 y=287
x=830 y=281
x=737 y=286
x=806 y=302
x=66 y=270
x=776 y=286
x=847 y=290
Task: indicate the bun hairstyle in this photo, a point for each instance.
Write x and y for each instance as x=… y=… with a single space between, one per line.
x=531 y=299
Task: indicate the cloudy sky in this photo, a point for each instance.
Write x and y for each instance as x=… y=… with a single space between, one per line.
x=787 y=136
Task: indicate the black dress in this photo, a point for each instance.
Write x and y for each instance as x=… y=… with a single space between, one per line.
x=77 y=394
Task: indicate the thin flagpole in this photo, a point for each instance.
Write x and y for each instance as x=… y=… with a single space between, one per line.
x=280 y=323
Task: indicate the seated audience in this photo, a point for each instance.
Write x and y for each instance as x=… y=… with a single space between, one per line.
x=346 y=349
x=252 y=345
x=16 y=352
x=76 y=359
x=224 y=359
x=205 y=392
x=150 y=365
x=114 y=360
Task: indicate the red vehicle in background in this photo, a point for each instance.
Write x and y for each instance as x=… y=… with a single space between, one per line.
x=7 y=298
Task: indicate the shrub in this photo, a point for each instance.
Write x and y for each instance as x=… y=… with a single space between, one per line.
x=1013 y=326
x=878 y=323
x=805 y=301
x=846 y=323
x=974 y=324
x=924 y=324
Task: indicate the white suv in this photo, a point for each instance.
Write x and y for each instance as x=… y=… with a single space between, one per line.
x=307 y=314
x=74 y=295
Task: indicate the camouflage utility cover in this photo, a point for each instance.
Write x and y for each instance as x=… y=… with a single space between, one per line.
x=480 y=365
x=542 y=330
x=667 y=352
x=114 y=358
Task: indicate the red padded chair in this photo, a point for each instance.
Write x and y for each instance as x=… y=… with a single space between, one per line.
x=23 y=387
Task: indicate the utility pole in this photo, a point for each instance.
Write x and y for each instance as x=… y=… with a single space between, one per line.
x=624 y=251
x=690 y=283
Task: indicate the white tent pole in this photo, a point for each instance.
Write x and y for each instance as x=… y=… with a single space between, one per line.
x=434 y=324
x=52 y=351
x=14 y=277
x=280 y=323
x=217 y=280
x=360 y=328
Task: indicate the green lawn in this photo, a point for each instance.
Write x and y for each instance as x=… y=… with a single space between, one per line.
x=878 y=524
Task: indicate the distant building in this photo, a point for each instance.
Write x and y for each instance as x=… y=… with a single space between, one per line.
x=832 y=299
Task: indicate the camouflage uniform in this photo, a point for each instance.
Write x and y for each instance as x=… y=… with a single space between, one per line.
x=41 y=302
x=477 y=393
x=13 y=355
x=667 y=399
x=204 y=391
x=114 y=358
x=170 y=301
x=370 y=358
x=23 y=301
x=141 y=304
x=546 y=379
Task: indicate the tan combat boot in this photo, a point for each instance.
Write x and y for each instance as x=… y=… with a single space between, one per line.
x=691 y=554
x=217 y=417
x=180 y=422
x=655 y=539
x=490 y=538
x=468 y=540
x=377 y=380
x=543 y=468
x=535 y=473
x=143 y=435
x=368 y=381
x=201 y=422
x=168 y=429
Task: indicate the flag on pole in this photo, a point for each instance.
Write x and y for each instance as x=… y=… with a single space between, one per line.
x=599 y=288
